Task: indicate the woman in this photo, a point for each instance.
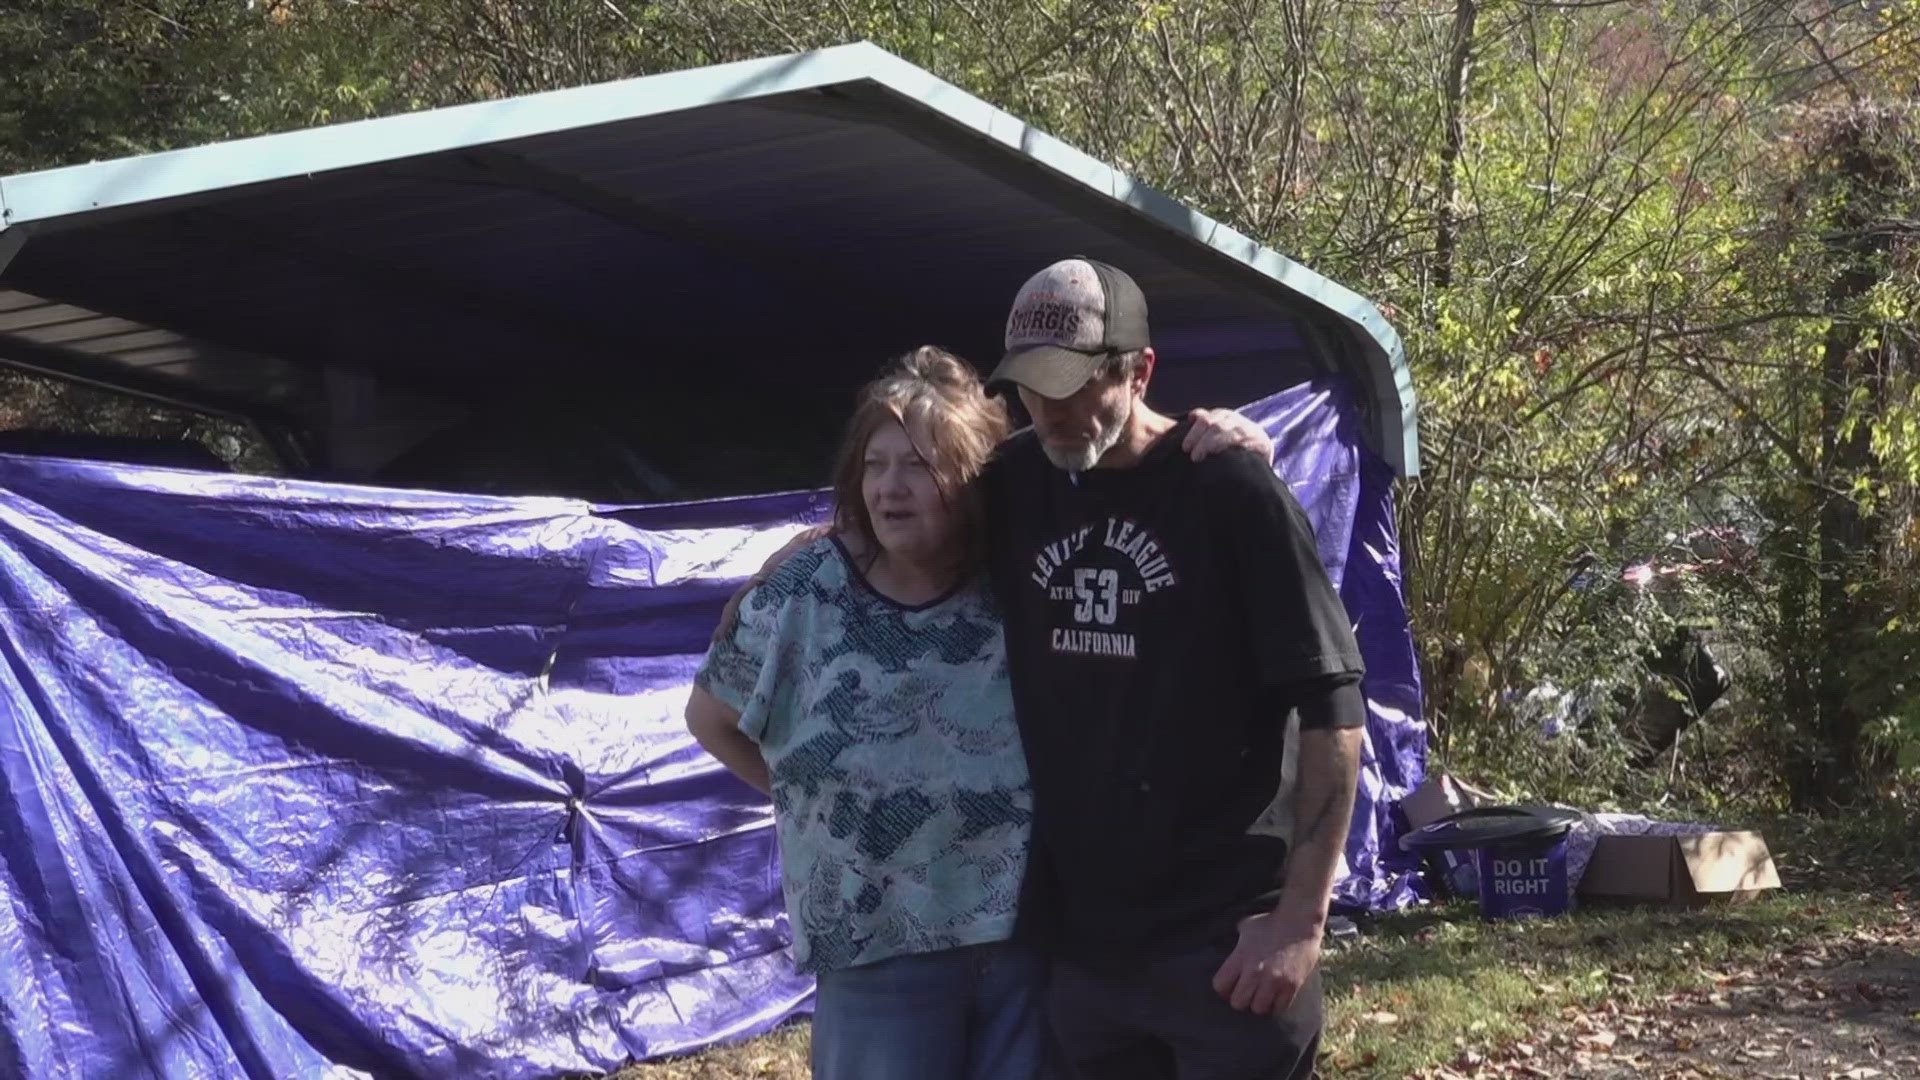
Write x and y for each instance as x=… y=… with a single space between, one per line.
x=863 y=686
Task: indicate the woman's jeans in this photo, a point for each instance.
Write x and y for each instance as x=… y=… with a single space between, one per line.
x=972 y=1013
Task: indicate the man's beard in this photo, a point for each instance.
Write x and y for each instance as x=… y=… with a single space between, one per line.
x=1107 y=432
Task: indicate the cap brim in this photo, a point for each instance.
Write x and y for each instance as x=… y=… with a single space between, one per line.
x=1048 y=370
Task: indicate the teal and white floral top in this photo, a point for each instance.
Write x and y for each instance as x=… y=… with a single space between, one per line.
x=899 y=787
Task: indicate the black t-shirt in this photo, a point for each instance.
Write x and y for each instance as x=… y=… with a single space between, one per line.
x=1157 y=620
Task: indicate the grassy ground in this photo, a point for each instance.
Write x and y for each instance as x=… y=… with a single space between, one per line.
x=1441 y=993
x=1444 y=989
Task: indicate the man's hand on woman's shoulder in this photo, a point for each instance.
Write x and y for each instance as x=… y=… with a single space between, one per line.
x=1215 y=430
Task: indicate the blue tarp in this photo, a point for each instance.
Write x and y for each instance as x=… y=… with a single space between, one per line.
x=300 y=779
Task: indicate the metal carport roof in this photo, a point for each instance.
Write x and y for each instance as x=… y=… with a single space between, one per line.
x=767 y=231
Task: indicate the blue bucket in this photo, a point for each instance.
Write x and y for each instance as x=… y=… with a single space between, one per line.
x=1520 y=855
x=1524 y=880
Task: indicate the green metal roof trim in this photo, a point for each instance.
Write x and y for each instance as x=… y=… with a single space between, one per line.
x=102 y=190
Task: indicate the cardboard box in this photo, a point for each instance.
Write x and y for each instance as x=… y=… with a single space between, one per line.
x=1436 y=797
x=1682 y=871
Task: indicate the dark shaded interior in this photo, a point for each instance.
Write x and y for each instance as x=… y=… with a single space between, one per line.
x=671 y=307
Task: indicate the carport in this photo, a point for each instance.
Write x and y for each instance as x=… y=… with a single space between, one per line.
x=654 y=289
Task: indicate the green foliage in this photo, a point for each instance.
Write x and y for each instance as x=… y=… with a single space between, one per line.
x=104 y=79
x=43 y=404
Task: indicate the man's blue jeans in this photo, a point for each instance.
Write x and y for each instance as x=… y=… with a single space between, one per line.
x=973 y=1013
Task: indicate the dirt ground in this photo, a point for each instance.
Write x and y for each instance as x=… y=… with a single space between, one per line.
x=1845 y=1009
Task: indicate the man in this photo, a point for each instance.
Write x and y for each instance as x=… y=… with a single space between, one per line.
x=1163 y=618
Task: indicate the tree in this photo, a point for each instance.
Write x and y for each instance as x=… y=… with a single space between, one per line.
x=93 y=80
